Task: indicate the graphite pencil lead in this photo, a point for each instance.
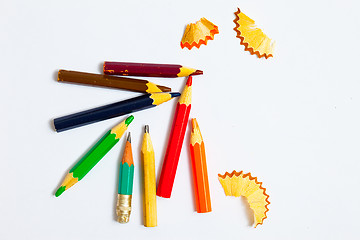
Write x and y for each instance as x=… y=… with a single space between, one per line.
x=146 y=129
x=128 y=138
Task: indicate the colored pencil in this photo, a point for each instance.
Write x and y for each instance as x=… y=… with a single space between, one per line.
x=92 y=79
x=112 y=110
x=200 y=175
x=148 y=157
x=94 y=155
x=148 y=69
x=126 y=177
x=175 y=142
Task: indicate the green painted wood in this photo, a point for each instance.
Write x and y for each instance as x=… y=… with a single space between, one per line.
x=92 y=157
x=126 y=178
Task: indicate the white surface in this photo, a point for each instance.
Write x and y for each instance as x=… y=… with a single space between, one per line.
x=292 y=120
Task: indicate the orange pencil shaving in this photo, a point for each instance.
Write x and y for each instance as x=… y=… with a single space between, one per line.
x=200 y=175
x=198 y=33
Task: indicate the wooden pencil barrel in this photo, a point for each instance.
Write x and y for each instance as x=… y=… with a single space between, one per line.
x=131 y=84
x=200 y=178
x=141 y=69
x=175 y=142
x=148 y=157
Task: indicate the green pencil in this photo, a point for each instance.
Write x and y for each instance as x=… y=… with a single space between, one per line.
x=126 y=177
x=94 y=155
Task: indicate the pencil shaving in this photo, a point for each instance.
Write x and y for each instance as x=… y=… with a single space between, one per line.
x=253 y=38
x=238 y=184
x=198 y=33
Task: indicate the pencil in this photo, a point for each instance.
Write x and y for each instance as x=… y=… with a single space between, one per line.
x=126 y=177
x=112 y=110
x=92 y=79
x=149 y=69
x=175 y=142
x=200 y=175
x=94 y=155
x=148 y=156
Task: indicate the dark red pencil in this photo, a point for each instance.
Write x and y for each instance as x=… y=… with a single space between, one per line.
x=148 y=69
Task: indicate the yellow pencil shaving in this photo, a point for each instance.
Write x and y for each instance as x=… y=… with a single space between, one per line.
x=239 y=184
x=253 y=38
x=198 y=33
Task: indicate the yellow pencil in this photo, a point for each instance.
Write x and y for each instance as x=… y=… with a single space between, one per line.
x=148 y=156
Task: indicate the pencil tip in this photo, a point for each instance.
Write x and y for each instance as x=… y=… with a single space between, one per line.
x=198 y=72
x=146 y=128
x=194 y=123
x=129 y=120
x=175 y=94
x=129 y=138
x=189 y=81
x=60 y=191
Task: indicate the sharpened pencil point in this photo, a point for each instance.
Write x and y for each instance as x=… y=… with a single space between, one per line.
x=128 y=138
x=198 y=72
x=146 y=129
x=175 y=94
x=194 y=123
x=60 y=191
x=129 y=120
x=189 y=81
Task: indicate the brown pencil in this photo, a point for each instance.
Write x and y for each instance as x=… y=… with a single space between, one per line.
x=131 y=84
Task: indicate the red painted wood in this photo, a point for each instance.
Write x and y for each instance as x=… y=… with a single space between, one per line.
x=173 y=150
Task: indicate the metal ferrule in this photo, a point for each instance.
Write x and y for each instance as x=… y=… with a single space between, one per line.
x=123 y=208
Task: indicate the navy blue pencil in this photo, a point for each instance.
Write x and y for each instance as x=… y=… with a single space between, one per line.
x=112 y=110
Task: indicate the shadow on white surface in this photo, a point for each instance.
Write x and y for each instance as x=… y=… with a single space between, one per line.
x=51 y=124
x=248 y=211
x=101 y=67
x=141 y=177
x=186 y=145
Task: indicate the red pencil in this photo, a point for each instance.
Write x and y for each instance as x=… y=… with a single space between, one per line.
x=175 y=143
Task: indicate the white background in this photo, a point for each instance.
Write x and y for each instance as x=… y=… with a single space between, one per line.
x=292 y=120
